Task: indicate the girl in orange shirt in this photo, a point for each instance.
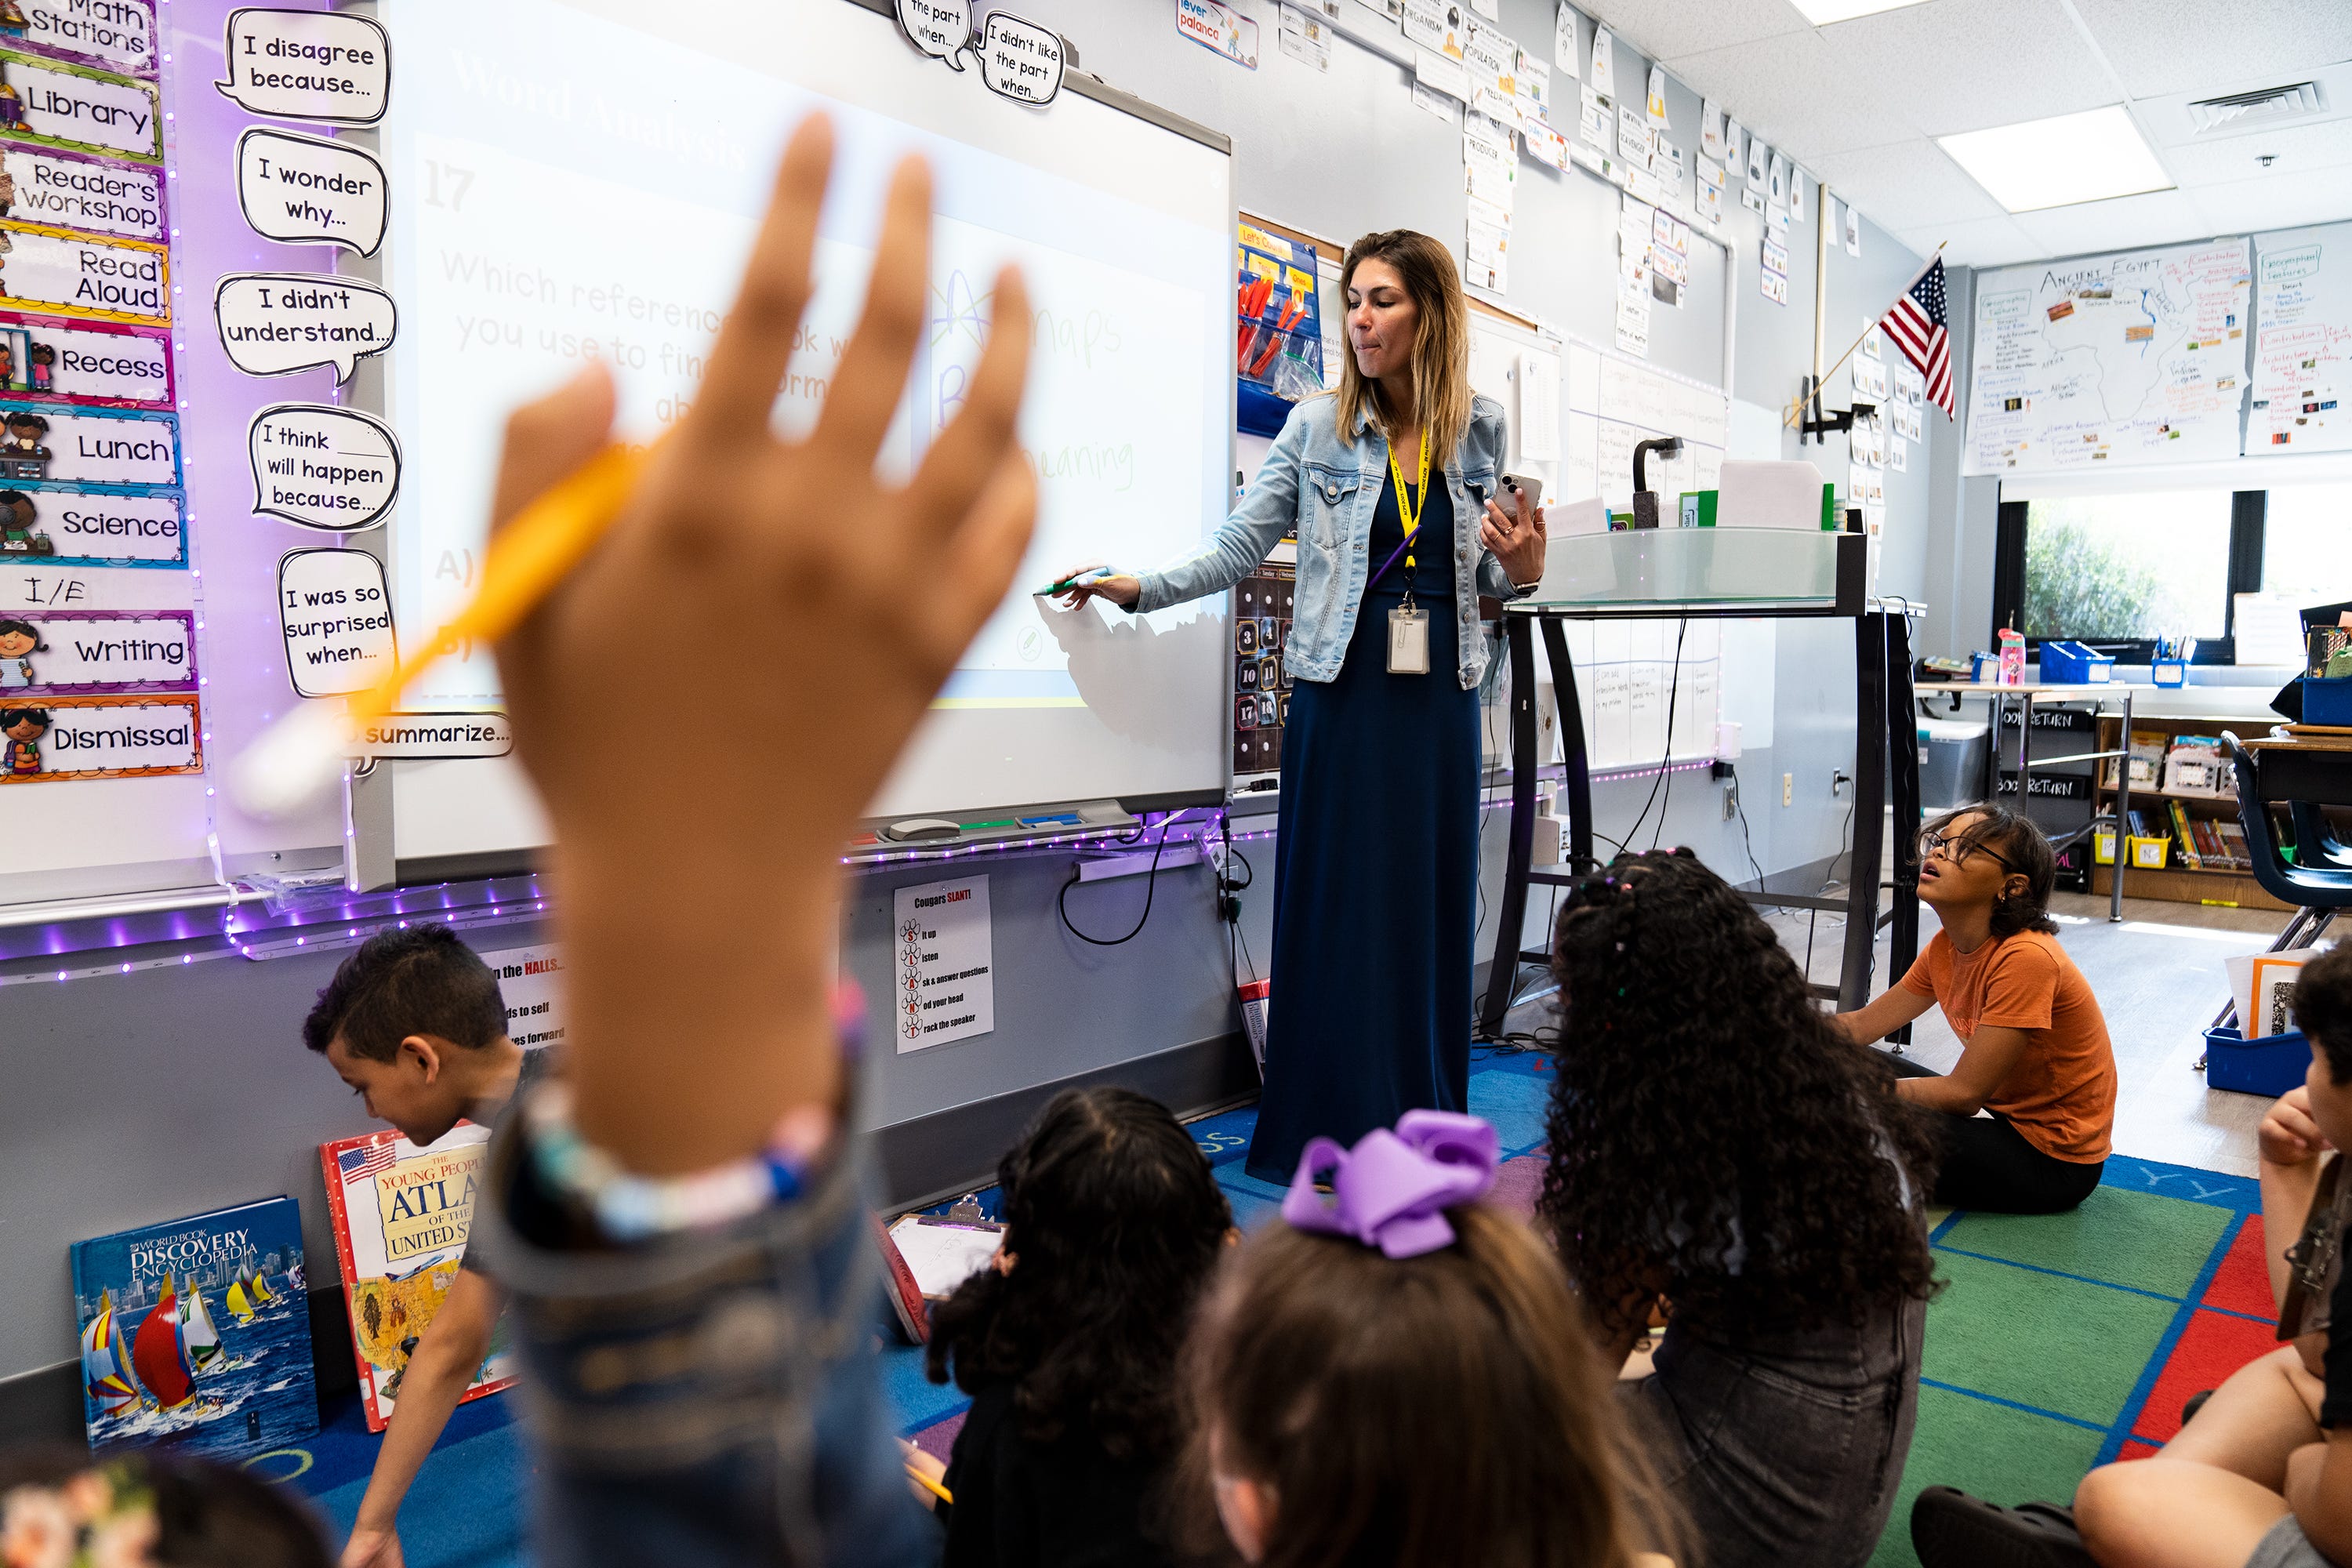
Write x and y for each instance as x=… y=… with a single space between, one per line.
x=2035 y=1052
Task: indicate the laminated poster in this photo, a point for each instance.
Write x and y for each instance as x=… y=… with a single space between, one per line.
x=401 y=1216
x=48 y=740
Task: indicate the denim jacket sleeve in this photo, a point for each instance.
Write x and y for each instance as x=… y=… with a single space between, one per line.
x=1268 y=509
x=1490 y=435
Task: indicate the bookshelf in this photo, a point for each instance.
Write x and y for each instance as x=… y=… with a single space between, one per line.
x=2178 y=881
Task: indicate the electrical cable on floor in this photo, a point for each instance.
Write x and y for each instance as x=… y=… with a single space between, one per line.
x=1150 y=891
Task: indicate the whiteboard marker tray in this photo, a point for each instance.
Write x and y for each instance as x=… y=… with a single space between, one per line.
x=1726 y=571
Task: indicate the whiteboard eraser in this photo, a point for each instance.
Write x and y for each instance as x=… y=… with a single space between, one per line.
x=916 y=827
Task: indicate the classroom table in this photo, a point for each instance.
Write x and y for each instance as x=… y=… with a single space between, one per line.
x=2028 y=693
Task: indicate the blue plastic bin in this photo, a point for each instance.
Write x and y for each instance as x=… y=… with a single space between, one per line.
x=2327 y=701
x=2268 y=1066
x=2073 y=664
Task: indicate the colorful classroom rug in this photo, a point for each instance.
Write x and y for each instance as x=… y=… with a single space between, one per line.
x=2059 y=1342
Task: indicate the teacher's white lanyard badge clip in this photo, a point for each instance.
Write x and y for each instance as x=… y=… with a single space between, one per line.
x=1409 y=623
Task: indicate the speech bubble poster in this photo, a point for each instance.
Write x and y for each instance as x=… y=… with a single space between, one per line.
x=335 y=608
x=276 y=323
x=322 y=467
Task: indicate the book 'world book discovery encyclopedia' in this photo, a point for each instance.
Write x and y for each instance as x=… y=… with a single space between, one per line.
x=197 y=1333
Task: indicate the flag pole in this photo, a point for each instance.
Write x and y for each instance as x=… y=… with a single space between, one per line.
x=1796 y=409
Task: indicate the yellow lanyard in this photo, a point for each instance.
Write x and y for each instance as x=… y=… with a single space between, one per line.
x=1411 y=503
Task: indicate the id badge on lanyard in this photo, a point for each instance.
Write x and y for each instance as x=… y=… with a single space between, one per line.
x=1409 y=623
x=1408 y=640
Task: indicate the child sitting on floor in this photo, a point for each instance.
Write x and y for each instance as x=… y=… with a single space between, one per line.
x=2034 y=1048
x=2256 y=1478
x=1398 y=1374
x=1069 y=1344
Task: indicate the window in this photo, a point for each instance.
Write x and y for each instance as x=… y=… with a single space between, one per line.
x=2308 y=543
x=2128 y=568
x=2120 y=571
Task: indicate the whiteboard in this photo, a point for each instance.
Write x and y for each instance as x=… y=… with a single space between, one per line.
x=606 y=215
x=1614 y=403
x=2110 y=361
x=2303 y=344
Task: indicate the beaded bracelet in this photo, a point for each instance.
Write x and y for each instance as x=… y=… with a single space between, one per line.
x=631 y=1207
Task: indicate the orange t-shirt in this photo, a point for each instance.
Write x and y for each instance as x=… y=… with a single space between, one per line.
x=2061 y=1093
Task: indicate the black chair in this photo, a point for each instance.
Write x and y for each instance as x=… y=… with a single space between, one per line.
x=2317 y=881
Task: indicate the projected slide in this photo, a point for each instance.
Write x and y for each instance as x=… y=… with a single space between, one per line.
x=555 y=211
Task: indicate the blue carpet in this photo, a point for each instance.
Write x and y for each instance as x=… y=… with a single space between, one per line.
x=469 y=1506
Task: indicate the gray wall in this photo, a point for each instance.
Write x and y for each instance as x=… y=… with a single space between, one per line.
x=131 y=1098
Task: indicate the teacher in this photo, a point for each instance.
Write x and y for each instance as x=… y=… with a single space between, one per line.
x=1376 y=865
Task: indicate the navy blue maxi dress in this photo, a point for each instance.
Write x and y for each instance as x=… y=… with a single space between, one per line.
x=1375 y=872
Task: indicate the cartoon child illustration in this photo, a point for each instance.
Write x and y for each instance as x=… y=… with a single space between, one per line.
x=7 y=184
x=13 y=21
x=22 y=455
x=12 y=107
x=20 y=641
x=24 y=727
x=17 y=534
x=45 y=366
x=6 y=245
x=7 y=363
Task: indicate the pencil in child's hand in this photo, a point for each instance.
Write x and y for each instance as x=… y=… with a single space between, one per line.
x=932 y=1486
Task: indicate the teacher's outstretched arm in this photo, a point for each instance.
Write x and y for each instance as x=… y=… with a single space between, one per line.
x=1267 y=509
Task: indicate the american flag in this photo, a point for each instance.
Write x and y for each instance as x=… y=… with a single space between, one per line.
x=1919 y=326
x=359 y=1164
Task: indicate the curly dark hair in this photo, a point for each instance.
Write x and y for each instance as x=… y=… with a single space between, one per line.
x=1714 y=1137
x=206 y=1515
x=1114 y=1226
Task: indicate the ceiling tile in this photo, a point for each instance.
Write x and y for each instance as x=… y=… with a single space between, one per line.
x=1979 y=242
x=1964 y=65
x=1905 y=184
x=1792 y=92
x=2274 y=202
x=2154 y=217
x=2175 y=45
x=2298 y=149
x=1664 y=28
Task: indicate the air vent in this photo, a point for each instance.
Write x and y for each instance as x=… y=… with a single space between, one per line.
x=2264 y=106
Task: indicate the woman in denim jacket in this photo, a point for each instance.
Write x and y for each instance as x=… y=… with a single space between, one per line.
x=1376 y=871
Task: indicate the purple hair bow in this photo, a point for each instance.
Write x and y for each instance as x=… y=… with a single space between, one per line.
x=1391 y=1189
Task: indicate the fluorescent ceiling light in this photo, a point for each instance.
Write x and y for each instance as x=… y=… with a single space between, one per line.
x=2086 y=157
x=1821 y=12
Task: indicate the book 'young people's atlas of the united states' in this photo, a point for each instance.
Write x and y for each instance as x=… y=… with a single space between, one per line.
x=401 y=1216
x=197 y=1333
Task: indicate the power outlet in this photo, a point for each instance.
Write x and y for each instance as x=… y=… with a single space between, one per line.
x=1788 y=789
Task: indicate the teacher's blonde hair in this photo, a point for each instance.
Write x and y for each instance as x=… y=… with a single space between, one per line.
x=1441 y=347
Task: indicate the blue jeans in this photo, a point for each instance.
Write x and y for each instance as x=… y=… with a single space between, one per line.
x=706 y=1399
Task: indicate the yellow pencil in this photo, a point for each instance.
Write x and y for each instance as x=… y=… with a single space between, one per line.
x=932 y=1486
x=300 y=755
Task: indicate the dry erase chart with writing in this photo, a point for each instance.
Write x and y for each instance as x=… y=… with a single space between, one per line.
x=2106 y=361
x=2303 y=349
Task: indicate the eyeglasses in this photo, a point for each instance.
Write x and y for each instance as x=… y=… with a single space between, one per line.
x=1960 y=847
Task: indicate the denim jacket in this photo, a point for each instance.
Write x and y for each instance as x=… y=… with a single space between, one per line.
x=1330 y=486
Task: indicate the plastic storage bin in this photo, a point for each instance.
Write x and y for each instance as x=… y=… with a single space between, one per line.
x=2327 y=701
x=2074 y=664
x=2103 y=845
x=2148 y=854
x=2270 y=1065
x=1951 y=761
x=2168 y=672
